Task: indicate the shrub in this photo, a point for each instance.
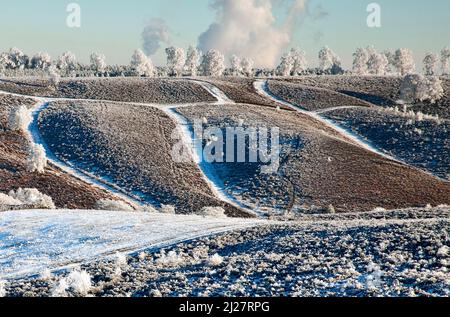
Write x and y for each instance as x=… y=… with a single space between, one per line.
x=31 y=196
x=37 y=160
x=6 y=200
x=168 y=209
x=216 y=212
x=418 y=87
x=112 y=205
x=2 y=288
x=215 y=260
x=19 y=119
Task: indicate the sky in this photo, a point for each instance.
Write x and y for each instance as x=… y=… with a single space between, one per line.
x=262 y=29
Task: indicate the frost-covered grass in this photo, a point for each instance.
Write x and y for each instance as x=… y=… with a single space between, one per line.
x=27 y=197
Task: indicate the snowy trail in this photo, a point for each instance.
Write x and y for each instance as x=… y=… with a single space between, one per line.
x=34 y=240
x=262 y=88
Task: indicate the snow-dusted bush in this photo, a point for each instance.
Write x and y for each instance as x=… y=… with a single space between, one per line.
x=330 y=209
x=429 y=64
x=175 y=60
x=247 y=66
x=37 y=159
x=418 y=87
x=77 y=282
x=31 y=196
x=328 y=59
x=215 y=260
x=2 y=288
x=54 y=75
x=404 y=61
x=445 y=60
x=360 y=60
x=98 y=62
x=41 y=61
x=213 y=63
x=168 y=209
x=112 y=205
x=171 y=259
x=19 y=119
x=142 y=64
x=148 y=208
x=67 y=63
x=193 y=58
x=216 y=212
x=6 y=200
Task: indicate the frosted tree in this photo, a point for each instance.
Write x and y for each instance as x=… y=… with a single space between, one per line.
x=377 y=63
x=418 y=87
x=391 y=61
x=213 y=63
x=247 y=66
x=286 y=65
x=445 y=60
x=98 y=62
x=41 y=61
x=54 y=75
x=193 y=58
x=37 y=160
x=236 y=65
x=142 y=64
x=429 y=64
x=404 y=61
x=328 y=59
x=360 y=60
x=299 y=62
x=175 y=60
x=67 y=63
x=16 y=59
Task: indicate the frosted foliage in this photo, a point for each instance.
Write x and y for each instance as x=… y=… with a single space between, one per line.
x=19 y=119
x=418 y=87
x=213 y=63
x=360 y=60
x=37 y=159
x=98 y=62
x=142 y=64
x=430 y=64
x=217 y=212
x=192 y=60
x=31 y=196
x=112 y=205
x=445 y=60
x=404 y=62
x=175 y=60
x=328 y=59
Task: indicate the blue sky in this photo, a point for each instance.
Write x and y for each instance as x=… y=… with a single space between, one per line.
x=114 y=27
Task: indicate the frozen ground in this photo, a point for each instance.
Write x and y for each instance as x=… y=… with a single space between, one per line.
x=423 y=143
x=35 y=240
x=372 y=257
